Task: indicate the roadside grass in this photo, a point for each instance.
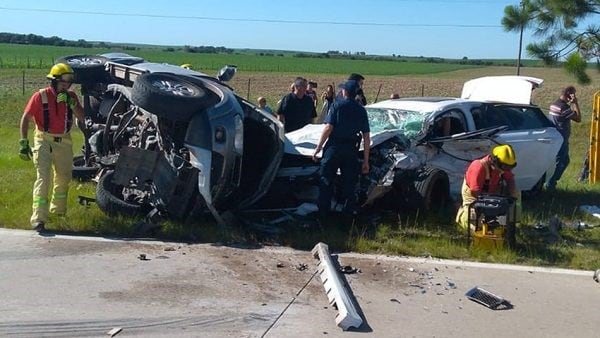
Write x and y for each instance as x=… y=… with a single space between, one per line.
x=415 y=235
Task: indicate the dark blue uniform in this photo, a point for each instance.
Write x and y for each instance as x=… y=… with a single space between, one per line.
x=348 y=119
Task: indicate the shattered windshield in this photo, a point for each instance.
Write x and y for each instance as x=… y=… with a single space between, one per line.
x=409 y=123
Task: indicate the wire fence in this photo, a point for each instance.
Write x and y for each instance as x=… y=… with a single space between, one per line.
x=26 y=80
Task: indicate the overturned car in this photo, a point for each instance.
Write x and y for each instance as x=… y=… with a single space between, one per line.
x=172 y=139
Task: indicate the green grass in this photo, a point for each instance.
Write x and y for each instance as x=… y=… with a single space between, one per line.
x=417 y=235
x=24 y=56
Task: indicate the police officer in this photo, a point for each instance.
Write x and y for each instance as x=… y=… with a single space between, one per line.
x=344 y=125
x=52 y=110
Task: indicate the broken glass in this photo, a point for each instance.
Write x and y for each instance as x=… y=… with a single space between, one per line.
x=407 y=122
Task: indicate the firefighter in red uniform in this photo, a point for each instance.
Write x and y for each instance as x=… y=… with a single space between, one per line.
x=52 y=110
x=491 y=174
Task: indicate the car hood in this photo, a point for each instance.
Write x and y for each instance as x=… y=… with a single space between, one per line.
x=304 y=141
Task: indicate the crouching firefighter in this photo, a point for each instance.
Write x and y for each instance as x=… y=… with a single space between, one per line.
x=491 y=174
x=51 y=109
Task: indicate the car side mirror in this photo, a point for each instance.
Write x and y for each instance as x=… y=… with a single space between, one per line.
x=227 y=73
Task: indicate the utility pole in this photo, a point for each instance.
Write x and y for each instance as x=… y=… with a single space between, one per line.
x=520 y=41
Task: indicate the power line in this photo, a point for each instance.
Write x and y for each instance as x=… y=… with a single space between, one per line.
x=209 y=18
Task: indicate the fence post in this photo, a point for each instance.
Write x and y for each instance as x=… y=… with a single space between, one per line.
x=422 y=90
x=248 y=96
x=23 y=83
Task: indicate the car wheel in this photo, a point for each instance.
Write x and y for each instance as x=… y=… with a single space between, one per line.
x=434 y=190
x=81 y=172
x=109 y=198
x=168 y=96
x=87 y=68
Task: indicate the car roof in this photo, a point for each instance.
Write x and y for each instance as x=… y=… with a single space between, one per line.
x=432 y=104
x=418 y=104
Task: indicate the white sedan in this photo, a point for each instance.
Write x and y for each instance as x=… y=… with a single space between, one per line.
x=460 y=130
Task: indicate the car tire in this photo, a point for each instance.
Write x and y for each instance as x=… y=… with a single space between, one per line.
x=81 y=172
x=110 y=199
x=168 y=96
x=87 y=68
x=434 y=189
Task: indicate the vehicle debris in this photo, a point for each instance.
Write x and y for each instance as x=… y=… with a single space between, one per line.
x=301 y=267
x=337 y=292
x=593 y=210
x=488 y=299
x=85 y=201
x=142 y=257
x=115 y=331
x=347 y=269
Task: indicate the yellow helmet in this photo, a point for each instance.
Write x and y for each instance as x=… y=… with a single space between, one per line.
x=186 y=66
x=504 y=154
x=61 y=71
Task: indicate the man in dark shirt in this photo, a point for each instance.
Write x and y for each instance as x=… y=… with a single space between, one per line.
x=562 y=112
x=296 y=109
x=344 y=125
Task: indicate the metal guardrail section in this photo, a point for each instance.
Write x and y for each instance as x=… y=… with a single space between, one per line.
x=336 y=290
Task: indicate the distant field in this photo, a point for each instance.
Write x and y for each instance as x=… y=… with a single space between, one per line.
x=26 y=56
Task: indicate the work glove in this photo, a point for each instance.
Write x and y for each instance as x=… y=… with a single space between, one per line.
x=25 y=152
x=64 y=97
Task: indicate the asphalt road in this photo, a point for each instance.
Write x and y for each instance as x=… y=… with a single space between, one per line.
x=84 y=287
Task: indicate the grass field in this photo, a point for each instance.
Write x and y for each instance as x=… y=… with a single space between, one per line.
x=23 y=56
x=420 y=235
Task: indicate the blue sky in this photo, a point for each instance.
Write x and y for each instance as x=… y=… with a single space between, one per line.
x=444 y=28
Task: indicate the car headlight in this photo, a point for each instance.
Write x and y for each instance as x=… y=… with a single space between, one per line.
x=238 y=143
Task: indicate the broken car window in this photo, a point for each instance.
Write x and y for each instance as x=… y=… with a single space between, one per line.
x=409 y=123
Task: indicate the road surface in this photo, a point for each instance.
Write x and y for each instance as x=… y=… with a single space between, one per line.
x=85 y=286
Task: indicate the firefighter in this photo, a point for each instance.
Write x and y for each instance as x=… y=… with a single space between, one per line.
x=52 y=110
x=491 y=174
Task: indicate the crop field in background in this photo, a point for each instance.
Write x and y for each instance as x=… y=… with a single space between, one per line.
x=24 y=56
x=408 y=234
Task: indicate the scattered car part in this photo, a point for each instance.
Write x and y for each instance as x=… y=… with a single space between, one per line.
x=593 y=210
x=337 y=292
x=115 y=331
x=488 y=299
x=85 y=201
x=348 y=269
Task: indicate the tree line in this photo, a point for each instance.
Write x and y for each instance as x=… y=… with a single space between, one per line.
x=32 y=39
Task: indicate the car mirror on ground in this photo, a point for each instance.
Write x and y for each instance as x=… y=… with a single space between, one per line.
x=227 y=73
